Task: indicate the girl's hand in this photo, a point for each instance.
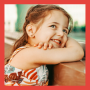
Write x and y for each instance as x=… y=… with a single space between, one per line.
x=64 y=40
x=49 y=45
x=45 y=45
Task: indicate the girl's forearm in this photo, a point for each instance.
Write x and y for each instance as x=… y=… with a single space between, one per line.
x=72 y=52
x=55 y=56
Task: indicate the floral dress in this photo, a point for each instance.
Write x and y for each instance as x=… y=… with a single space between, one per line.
x=16 y=77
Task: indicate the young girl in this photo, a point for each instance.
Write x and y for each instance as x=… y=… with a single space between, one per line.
x=45 y=26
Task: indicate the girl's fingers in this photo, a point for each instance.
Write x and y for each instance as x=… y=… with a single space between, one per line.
x=45 y=46
x=40 y=45
x=50 y=46
x=35 y=45
x=64 y=41
x=62 y=45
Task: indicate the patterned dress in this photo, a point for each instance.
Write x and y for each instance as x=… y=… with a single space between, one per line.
x=17 y=77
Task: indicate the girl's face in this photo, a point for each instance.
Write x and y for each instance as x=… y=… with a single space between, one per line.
x=53 y=30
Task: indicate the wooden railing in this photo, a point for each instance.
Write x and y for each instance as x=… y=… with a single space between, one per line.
x=69 y=74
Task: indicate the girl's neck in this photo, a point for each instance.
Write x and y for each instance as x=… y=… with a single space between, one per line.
x=28 y=45
x=31 y=42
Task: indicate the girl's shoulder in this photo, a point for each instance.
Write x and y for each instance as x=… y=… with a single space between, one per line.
x=22 y=59
x=16 y=51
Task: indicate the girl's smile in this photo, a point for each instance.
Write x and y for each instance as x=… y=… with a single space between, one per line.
x=56 y=41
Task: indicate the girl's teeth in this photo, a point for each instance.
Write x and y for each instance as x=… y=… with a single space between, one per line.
x=57 y=41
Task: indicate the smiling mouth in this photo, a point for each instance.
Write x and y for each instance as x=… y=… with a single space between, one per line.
x=56 y=41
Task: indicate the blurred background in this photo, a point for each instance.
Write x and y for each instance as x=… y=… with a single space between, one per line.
x=15 y=16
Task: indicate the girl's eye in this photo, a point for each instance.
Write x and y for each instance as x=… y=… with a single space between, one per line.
x=64 y=30
x=53 y=26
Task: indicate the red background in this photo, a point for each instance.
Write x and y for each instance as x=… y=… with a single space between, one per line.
x=2 y=2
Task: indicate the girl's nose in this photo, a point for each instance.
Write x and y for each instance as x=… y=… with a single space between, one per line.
x=60 y=33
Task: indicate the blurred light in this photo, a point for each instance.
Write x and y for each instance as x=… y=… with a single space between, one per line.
x=10 y=16
x=10 y=12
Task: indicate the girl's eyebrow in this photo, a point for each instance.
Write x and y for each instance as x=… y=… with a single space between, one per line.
x=55 y=23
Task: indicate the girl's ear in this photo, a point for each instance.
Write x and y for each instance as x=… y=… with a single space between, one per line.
x=30 y=29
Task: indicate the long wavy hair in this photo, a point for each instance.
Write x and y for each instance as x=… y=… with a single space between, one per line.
x=35 y=14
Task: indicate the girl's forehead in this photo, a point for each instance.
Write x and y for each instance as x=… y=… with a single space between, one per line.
x=56 y=16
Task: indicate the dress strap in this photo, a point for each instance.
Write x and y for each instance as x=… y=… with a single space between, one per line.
x=15 y=52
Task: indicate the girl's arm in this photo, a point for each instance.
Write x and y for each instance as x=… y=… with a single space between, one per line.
x=72 y=52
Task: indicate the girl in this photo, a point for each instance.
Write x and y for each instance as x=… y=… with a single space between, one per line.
x=45 y=26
